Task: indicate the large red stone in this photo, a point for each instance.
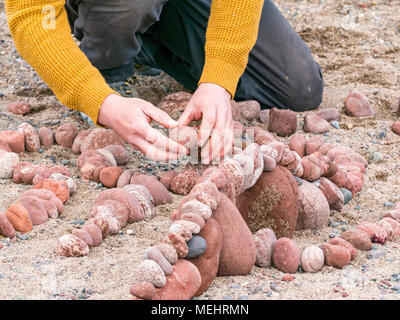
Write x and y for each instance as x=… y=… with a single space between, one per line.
x=182 y=284
x=271 y=203
x=238 y=253
x=283 y=122
x=158 y=191
x=286 y=255
x=208 y=262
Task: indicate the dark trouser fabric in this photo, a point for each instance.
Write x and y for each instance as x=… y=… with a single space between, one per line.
x=170 y=35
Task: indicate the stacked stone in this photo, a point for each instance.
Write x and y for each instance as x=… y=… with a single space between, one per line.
x=112 y=210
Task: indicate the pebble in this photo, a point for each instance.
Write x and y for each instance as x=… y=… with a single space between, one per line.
x=347 y=195
x=46 y=137
x=32 y=139
x=282 y=122
x=109 y=176
x=274 y=287
x=83 y=235
x=197 y=246
x=357 y=105
x=312 y=259
x=286 y=255
x=59 y=188
x=22 y=236
x=178 y=243
x=152 y=253
x=19 y=217
x=184 y=181
x=168 y=251
x=265 y=240
x=315 y=124
x=8 y=160
x=335 y=124
x=78 y=222
x=336 y=256
x=20 y=108
x=95 y=232
x=377 y=156
x=358 y=238
x=71 y=246
x=375 y=254
x=250 y=109
x=150 y=271
x=389 y=204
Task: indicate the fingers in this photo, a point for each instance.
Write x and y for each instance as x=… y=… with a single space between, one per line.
x=155 y=137
x=219 y=144
x=207 y=124
x=187 y=115
x=152 y=152
x=159 y=116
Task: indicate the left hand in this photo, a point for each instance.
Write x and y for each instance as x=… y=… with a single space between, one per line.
x=212 y=104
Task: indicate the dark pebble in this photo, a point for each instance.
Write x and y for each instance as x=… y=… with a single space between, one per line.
x=22 y=236
x=197 y=245
x=78 y=222
x=347 y=195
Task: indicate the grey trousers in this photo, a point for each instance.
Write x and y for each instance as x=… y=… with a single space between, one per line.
x=170 y=35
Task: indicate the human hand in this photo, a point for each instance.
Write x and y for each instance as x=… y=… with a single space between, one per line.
x=212 y=104
x=131 y=119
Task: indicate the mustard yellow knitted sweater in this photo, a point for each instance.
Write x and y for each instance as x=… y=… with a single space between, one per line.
x=231 y=33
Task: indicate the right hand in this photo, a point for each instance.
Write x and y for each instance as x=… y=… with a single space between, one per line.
x=131 y=119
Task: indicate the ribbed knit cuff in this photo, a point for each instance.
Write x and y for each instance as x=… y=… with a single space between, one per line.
x=92 y=95
x=222 y=73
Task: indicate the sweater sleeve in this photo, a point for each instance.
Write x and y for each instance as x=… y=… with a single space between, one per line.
x=231 y=34
x=48 y=46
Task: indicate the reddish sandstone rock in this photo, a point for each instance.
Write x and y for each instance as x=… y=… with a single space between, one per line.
x=100 y=138
x=107 y=222
x=167 y=177
x=264 y=116
x=190 y=205
x=179 y=243
x=332 y=194
x=76 y=146
x=260 y=136
x=358 y=238
x=150 y=271
x=118 y=210
x=66 y=134
x=236 y=172
x=209 y=188
x=330 y=114
x=102 y=223
x=336 y=256
x=119 y=152
x=59 y=188
x=238 y=253
x=125 y=178
x=34 y=206
x=175 y=102
x=265 y=240
x=186 y=136
x=72 y=246
x=182 y=284
x=143 y=196
x=345 y=244
x=158 y=191
x=313 y=207
x=19 y=217
x=208 y=262
x=271 y=203
x=298 y=143
x=315 y=124
x=220 y=178
x=286 y=255
x=89 y=161
x=46 y=137
x=68 y=180
x=143 y=290
x=184 y=181
x=32 y=140
x=109 y=176
x=283 y=122
x=44 y=172
x=396 y=127
x=134 y=208
x=6 y=228
x=313 y=144
x=83 y=235
x=12 y=141
x=375 y=232
x=357 y=105
x=20 y=108
x=193 y=218
x=250 y=109
x=391 y=226
x=53 y=205
x=312 y=259
x=24 y=172
x=314 y=166
x=236 y=114
x=94 y=232
x=109 y=156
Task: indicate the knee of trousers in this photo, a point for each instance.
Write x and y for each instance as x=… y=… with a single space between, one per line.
x=305 y=89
